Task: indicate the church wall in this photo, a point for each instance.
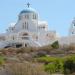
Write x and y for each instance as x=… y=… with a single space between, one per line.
x=29 y=31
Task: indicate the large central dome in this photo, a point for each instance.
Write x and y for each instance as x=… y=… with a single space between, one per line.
x=28 y=10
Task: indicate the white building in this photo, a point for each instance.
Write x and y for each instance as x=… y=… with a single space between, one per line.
x=72 y=28
x=28 y=31
x=70 y=39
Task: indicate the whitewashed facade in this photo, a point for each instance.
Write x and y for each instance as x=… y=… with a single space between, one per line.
x=28 y=31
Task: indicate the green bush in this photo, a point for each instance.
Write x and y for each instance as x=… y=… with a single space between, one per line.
x=50 y=68
x=59 y=66
x=69 y=65
x=55 y=65
x=55 y=45
x=2 y=60
x=46 y=59
x=64 y=65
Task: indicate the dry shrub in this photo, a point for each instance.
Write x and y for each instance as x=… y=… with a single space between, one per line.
x=47 y=48
x=72 y=47
x=25 y=69
x=8 y=51
x=69 y=47
x=26 y=49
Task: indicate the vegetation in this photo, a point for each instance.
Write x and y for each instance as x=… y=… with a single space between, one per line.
x=65 y=65
x=24 y=69
x=69 y=65
x=55 y=45
x=50 y=59
x=2 y=60
x=52 y=64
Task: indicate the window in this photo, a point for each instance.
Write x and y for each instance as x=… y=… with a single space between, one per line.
x=25 y=38
x=26 y=16
x=47 y=35
x=13 y=38
x=34 y=16
x=36 y=37
x=43 y=27
x=20 y=17
x=74 y=24
x=25 y=25
x=72 y=32
x=25 y=34
x=25 y=45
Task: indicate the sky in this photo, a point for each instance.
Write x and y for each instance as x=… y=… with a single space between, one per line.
x=58 y=13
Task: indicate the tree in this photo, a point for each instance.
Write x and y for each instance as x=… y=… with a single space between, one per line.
x=55 y=45
x=69 y=66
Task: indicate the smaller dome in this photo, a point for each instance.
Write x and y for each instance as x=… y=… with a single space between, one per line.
x=28 y=10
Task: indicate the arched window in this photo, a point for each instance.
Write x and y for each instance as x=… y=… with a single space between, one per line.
x=34 y=16
x=26 y=44
x=20 y=17
x=25 y=34
x=25 y=25
x=26 y=16
x=74 y=24
x=13 y=38
x=72 y=32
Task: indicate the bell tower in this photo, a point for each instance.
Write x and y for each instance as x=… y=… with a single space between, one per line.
x=72 y=28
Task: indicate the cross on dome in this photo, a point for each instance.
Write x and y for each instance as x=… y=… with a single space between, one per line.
x=28 y=4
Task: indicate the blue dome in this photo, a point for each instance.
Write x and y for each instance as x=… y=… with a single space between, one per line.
x=28 y=10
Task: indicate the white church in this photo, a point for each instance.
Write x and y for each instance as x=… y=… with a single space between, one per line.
x=29 y=31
